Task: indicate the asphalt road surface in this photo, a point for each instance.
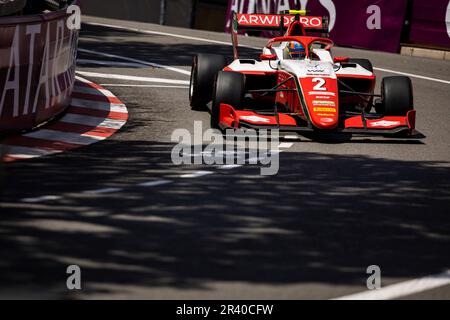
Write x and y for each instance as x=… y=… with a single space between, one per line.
x=309 y=232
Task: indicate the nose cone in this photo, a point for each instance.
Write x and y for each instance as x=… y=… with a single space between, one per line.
x=324 y=114
x=321 y=98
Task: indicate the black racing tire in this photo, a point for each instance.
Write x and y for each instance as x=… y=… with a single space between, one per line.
x=203 y=72
x=230 y=89
x=366 y=64
x=396 y=96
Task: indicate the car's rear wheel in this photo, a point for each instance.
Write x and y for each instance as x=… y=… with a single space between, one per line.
x=203 y=72
x=229 y=89
x=396 y=96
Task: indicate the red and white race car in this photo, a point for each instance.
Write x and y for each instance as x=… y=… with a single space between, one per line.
x=300 y=91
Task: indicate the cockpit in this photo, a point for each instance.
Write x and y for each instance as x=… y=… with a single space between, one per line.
x=294 y=50
x=317 y=49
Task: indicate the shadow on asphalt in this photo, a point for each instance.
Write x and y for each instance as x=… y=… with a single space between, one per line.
x=323 y=218
x=173 y=54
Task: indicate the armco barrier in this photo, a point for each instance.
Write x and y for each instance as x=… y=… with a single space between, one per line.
x=37 y=68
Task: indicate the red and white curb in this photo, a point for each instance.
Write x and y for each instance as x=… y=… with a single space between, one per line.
x=93 y=115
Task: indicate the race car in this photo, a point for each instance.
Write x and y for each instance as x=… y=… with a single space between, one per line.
x=296 y=85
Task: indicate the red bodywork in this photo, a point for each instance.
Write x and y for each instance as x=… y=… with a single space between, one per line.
x=311 y=101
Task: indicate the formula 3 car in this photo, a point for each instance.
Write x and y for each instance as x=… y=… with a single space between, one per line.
x=309 y=91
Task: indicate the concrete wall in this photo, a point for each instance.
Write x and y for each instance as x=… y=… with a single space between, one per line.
x=178 y=12
x=210 y=16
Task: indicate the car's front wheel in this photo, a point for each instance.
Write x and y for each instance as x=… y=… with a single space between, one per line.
x=396 y=96
x=203 y=72
x=229 y=89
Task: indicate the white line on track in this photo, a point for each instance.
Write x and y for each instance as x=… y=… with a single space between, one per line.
x=112 y=63
x=154 y=183
x=285 y=145
x=130 y=78
x=89 y=82
x=412 y=75
x=149 y=64
x=196 y=174
x=103 y=191
x=251 y=47
x=143 y=86
x=229 y=166
x=291 y=137
x=41 y=199
x=403 y=289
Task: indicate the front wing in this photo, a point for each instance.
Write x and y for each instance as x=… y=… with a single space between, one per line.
x=385 y=125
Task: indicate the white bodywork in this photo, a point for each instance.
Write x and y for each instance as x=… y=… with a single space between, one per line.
x=306 y=68
x=255 y=65
x=300 y=67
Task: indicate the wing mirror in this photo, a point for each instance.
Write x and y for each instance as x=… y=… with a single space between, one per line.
x=268 y=56
x=340 y=59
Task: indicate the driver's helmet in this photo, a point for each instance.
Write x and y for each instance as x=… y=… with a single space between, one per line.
x=295 y=50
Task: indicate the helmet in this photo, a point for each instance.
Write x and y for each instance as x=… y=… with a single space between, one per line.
x=295 y=50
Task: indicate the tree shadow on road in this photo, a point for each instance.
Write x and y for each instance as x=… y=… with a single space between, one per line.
x=324 y=218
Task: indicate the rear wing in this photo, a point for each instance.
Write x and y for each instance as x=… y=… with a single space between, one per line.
x=274 y=22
